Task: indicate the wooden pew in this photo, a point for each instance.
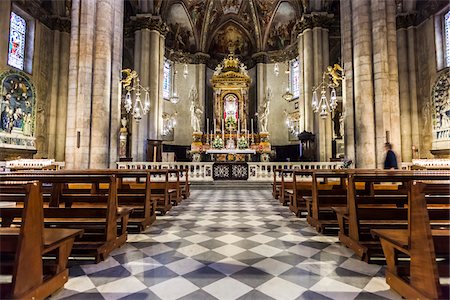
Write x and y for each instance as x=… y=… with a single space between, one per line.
x=376 y=209
x=285 y=187
x=423 y=241
x=185 y=184
x=324 y=196
x=160 y=190
x=174 y=186
x=22 y=250
x=104 y=223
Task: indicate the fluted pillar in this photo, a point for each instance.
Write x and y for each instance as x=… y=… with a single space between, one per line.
x=148 y=62
x=94 y=71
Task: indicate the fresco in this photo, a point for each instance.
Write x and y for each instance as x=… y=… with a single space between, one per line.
x=231 y=6
x=180 y=35
x=227 y=39
x=281 y=28
x=17 y=109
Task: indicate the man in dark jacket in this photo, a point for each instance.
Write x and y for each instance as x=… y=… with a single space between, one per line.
x=390 y=162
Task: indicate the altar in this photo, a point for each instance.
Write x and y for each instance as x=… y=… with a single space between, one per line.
x=230 y=136
x=231 y=154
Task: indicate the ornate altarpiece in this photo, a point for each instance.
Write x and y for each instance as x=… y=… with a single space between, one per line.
x=231 y=84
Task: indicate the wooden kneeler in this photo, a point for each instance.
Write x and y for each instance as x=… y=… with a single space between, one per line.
x=21 y=251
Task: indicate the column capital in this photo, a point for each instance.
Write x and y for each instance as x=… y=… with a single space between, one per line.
x=149 y=22
x=260 y=57
x=201 y=58
x=406 y=20
x=313 y=20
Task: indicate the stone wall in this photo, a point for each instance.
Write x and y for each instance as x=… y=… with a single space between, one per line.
x=49 y=76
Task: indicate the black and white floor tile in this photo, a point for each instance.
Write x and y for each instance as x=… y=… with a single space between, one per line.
x=229 y=244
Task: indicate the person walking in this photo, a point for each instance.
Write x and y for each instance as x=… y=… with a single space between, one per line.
x=390 y=162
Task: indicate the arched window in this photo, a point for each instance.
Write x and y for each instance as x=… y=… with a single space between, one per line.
x=17 y=39
x=167 y=79
x=447 y=38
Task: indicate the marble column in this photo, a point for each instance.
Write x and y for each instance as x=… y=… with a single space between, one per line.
x=94 y=71
x=149 y=57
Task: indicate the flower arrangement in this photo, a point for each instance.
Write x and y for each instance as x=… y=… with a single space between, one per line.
x=346 y=163
x=217 y=143
x=230 y=122
x=242 y=143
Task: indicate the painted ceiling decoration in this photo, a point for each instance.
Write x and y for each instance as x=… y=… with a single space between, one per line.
x=217 y=27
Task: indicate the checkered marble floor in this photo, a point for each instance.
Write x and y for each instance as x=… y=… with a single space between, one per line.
x=229 y=244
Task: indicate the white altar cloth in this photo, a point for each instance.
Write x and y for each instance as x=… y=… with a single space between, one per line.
x=231 y=151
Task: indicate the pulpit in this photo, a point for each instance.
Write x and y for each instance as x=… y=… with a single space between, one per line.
x=154 y=150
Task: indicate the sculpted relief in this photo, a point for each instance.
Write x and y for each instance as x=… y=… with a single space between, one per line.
x=440 y=95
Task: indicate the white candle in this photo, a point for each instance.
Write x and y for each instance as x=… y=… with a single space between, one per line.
x=252 y=125
x=215 y=128
x=239 y=128
x=223 y=131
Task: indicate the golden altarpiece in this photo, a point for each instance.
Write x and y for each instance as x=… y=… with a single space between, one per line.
x=231 y=137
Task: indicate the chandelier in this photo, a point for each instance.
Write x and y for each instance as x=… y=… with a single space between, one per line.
x=174 y=99
x=131 y=83
x=288 y=96
x=330 y=81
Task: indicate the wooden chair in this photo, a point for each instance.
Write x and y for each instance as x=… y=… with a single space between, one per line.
x=22 y=250
x=423 y=242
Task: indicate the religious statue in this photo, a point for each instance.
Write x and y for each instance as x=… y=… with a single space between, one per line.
x=264 y=111
x=196 y=110
x=218 y=69
x=334 y=74
x=129 y=76
x=243 y=69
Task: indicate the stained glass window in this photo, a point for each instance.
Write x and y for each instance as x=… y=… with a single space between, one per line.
x=16 y=49
x=447 y=38
x=295 y=78
x=167 y=79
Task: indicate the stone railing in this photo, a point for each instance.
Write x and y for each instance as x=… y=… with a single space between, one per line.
x=32 y=164
x=203 y=171
x=265 y=171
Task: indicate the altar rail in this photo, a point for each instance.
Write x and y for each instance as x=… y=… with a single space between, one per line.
x=203 y=171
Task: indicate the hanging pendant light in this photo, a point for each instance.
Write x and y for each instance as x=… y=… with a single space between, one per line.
x=276 y=69
x=185 y=71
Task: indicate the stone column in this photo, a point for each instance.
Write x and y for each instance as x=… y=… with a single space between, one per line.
x=347 y=84
x=93 y=72
x=314 y=45
x=261 y=85
x=200 y=74
x=371 y=71
x=148 y=62
x=58 y=96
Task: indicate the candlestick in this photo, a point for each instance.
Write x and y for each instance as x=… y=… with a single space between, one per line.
x=215 y=131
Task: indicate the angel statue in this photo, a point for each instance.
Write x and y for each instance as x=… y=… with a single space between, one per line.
x=264 y=111
x=218 y=69
x=334 y=73
x=129 y=77
x=196 y=110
